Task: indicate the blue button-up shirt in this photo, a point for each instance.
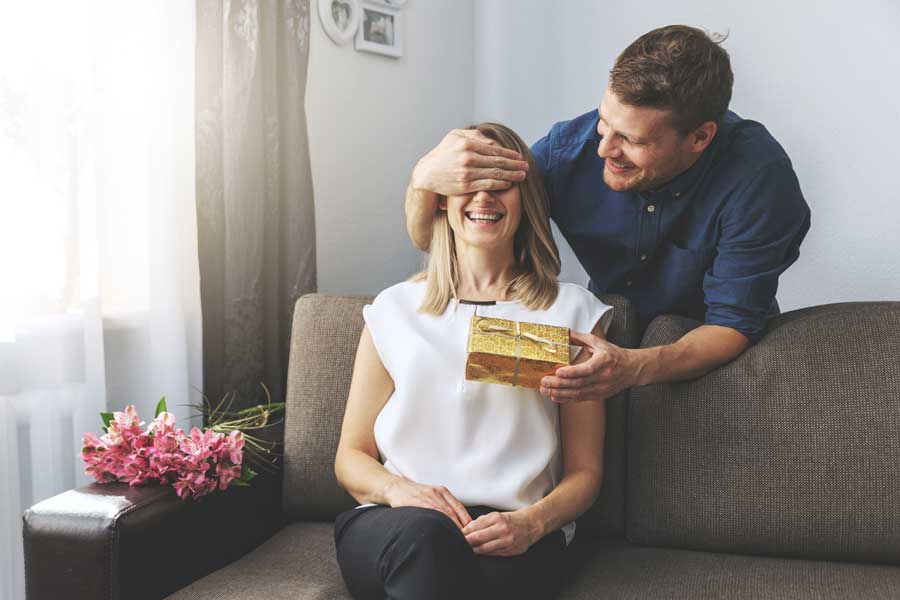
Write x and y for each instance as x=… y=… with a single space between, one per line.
x=710 y=244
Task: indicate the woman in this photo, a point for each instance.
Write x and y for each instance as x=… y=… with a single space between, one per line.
x=467 y=489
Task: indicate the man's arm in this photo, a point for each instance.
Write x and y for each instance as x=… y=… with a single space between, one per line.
x=611 y=369
x=761 y=235
x=463 y=163
x=420 y=208
x=695 y=354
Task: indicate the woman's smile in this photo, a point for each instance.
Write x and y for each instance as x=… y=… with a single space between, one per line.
x=484 y=218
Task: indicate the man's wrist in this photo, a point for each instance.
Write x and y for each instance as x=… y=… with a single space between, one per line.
x=646 y=365
x=418 y=183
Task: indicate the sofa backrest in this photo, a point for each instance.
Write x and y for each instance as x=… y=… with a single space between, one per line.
x=324 y=339
x=792 y=449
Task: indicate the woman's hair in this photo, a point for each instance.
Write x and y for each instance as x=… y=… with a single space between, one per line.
x=537 y=258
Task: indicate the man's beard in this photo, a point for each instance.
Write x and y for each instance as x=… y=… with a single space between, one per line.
x=641 y=181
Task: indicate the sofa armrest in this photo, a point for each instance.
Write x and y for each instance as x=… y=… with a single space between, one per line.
x=114 y=541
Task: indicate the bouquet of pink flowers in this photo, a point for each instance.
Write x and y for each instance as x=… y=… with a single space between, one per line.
x=195 y=464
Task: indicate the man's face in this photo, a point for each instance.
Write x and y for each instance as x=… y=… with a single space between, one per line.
x=642 y=150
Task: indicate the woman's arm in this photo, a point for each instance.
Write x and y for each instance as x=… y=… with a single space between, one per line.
x=582 y=429
x=357 y=466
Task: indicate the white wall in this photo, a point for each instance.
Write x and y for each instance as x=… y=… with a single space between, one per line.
x=370 y=119
x=821 y=76
x=823 y=81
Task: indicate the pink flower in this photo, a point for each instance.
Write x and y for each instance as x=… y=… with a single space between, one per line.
x=227 y=474
x=235 y=447
x=125 y=425
x=195 y=464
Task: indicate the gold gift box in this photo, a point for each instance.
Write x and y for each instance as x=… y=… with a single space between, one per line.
x=514 y=353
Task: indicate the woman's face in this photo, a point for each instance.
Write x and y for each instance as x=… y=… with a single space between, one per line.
x=485 y=219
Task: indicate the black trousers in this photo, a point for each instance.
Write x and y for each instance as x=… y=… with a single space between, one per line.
x=411 y=553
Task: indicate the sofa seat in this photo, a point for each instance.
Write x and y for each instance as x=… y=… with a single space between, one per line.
x=297 y=563
x=627 y=572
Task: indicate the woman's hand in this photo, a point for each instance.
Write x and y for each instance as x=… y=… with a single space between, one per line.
x=502 y=533
x=404 y=492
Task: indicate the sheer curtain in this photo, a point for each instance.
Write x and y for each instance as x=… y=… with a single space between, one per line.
x=99 y=283
x=256 y=219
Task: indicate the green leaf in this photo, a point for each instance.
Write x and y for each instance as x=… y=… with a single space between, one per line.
x=246 y=474
x=239 y=483
x=107 y=417
x=272 y=407
x=161 y=407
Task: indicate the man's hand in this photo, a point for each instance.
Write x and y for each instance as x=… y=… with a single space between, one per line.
x=404 y=492
x=466 y=161
x=609 y=370
x=501 y=533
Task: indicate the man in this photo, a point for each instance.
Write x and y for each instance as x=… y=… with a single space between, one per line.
x=664 y=195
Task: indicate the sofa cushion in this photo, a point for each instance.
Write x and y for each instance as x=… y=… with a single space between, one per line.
x=790 y=450
x=297 y=563
x=615 y=569
x=324 y=339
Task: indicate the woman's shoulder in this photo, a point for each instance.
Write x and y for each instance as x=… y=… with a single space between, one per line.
x=574 y=297
x=572 y=292
x=404 y=292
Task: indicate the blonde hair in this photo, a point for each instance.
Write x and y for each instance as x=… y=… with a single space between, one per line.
x=535 y=284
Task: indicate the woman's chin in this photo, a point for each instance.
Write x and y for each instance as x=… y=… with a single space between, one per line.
x=485 y=240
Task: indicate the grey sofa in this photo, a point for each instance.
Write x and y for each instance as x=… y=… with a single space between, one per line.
x=775 y=476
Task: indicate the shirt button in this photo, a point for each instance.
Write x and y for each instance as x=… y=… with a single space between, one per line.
x=643 y=257
x=651 y=208
x=677 y=194
x=628 y=283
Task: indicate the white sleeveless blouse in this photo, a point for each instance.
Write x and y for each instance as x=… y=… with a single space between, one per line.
x=489 y=444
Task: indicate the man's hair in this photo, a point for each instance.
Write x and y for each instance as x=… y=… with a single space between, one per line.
x=535 y=284
x=679 y=68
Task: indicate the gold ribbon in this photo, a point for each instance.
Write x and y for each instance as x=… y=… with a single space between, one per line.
x=517 y=333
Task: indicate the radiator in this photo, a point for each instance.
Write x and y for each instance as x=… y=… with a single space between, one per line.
x=40 y=457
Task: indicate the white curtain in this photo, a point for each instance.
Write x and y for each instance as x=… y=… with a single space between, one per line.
x=99 y=284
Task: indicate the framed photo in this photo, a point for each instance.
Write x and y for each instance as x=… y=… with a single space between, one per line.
x=380 y=29
x=340 y=19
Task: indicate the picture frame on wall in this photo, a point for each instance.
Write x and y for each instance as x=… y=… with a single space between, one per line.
x=340 y=19
x=380 y=29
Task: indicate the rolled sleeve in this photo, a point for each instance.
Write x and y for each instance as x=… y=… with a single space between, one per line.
x=540 y=150
x=761 y=233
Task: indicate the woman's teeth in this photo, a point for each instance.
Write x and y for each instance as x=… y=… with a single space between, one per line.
x=484 y=217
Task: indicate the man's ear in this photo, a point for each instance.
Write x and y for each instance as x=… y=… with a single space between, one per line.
x=701 y=137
